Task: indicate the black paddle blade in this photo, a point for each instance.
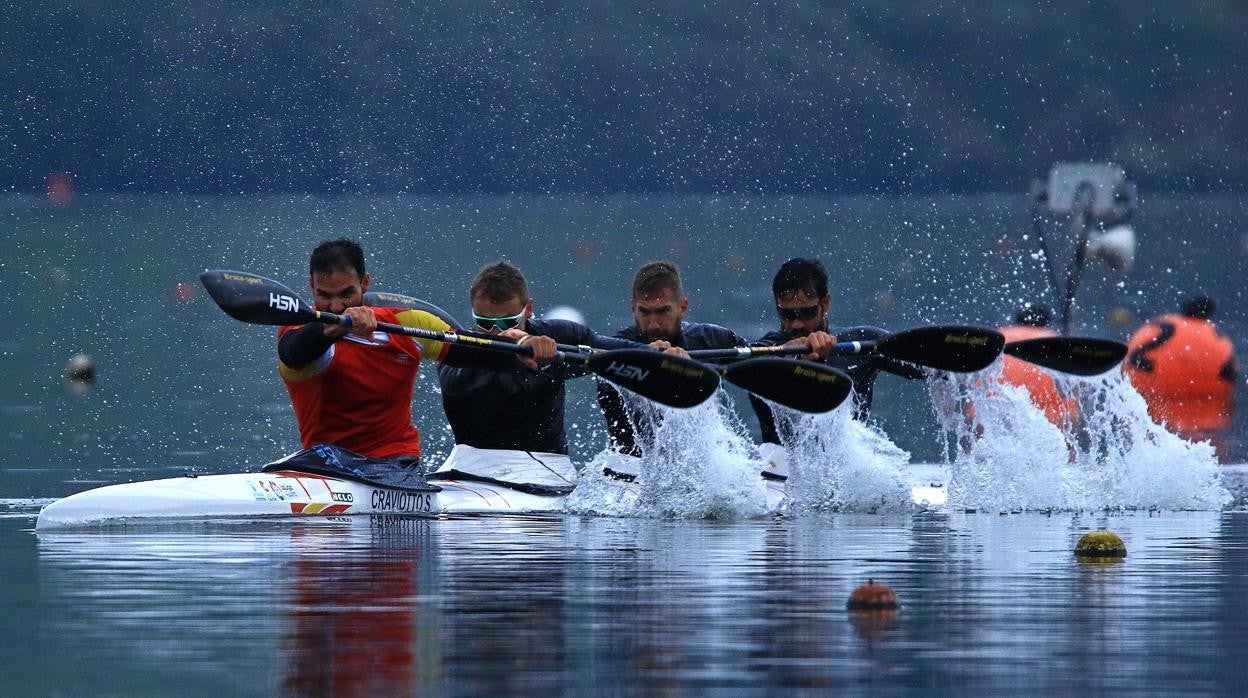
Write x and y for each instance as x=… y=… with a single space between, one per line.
x=1082 y=356
x=384 y=299
x=957 y=348
x=799 y=385
x=255 y=299
x=670 y=380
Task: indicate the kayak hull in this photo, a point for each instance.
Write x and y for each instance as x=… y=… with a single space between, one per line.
x=281 y=493
x=470 y=481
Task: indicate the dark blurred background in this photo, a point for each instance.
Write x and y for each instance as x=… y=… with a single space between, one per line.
x=638 y=97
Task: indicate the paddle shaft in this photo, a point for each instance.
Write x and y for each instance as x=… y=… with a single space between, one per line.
x=566 y=352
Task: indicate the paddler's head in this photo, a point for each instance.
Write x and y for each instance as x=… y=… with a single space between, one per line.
x=500 y=298
x=659 y=303
x=800 y=289
x=336 y=275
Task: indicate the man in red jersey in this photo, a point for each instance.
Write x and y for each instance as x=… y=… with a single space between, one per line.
x=351 y=387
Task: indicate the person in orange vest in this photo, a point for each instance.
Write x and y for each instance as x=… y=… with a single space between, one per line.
x=1185 y=369
x=1032 y=322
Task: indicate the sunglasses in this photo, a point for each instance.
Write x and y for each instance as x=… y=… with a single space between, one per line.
x=791 y=314
x=499 y=323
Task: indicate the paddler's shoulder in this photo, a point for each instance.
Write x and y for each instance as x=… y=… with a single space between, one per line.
x=858 y=333
x=706 y=335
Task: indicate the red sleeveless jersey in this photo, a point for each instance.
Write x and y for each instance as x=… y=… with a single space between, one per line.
x=358 y=394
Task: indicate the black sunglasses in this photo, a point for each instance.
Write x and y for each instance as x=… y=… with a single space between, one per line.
x=807 y=313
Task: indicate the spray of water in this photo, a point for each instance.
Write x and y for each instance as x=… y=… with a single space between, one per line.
x=1005 y=456
x=837 y=463
x=697 y=463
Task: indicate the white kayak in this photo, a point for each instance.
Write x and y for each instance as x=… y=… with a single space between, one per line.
x=469 y=481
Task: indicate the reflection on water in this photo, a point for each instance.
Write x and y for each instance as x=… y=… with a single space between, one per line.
x=569 y=604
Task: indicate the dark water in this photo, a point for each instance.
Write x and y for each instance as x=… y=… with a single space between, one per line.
x=576 y=606
x=567 y=604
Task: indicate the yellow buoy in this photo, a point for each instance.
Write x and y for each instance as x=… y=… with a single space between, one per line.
x=1100 y=544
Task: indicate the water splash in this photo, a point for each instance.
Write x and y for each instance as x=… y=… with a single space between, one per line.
x=1005 y=456
x=697 y=463
x=1131 y=461
x=837 y=463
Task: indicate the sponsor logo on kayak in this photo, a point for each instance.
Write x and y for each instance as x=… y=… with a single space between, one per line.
x=283 y=302
x=342 y=496
x=627 y=372
x=253 y=280
x=402 y=502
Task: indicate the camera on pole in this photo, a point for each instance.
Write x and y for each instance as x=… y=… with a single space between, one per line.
x=1096 y=202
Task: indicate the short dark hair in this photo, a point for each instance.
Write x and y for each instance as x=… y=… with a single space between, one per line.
x=337 y=255
x=1199 y=307
x=656 y=277
x=498 y=282
x=800 y=274
x=1035 y=315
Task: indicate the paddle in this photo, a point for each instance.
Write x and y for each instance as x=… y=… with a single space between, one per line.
x=957 y=348
x=798 y=385
x=1082 y=356
x=670 y=380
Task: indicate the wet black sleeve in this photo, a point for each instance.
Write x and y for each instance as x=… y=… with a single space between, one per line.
x=766 y=420
x=862 y=333
x=467 y=356
x=300 y=347
x=616 y=415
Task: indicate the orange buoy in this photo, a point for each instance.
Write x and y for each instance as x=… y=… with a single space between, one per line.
x=872 y=597
x=184 y=292
x=1058 y=409
x=1185 y=369
x=60 y=187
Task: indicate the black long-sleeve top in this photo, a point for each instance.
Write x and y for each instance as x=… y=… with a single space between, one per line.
x=519 y=408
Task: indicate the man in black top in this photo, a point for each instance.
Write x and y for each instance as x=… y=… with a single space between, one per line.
x=800 y=290
x=522 y=408
x=659 y=306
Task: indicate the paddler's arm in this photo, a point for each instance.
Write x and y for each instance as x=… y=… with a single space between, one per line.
x=766 y=421
x=861 y=333
x=302 y=346
x=306 y=344
x=618 y=426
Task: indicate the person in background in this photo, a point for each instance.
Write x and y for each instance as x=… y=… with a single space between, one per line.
x=521 y=408
x=1032 y=322
x=1185 y=368
x=800 y=292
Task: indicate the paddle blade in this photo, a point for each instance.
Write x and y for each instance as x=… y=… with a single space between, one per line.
x=255 y=299
x=799 y=385
x=957 y=348
x=385 y=299
x=666 y=379
x=1082 y=356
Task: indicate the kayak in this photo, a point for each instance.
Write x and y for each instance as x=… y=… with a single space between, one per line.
x=469 y=481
